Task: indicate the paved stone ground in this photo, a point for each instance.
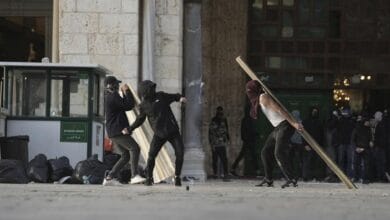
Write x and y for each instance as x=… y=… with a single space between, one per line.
x=238 y=199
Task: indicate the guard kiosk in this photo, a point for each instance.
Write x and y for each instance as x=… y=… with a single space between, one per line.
x=59 y=106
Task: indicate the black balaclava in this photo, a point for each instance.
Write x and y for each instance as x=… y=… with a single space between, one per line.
x=147 y=90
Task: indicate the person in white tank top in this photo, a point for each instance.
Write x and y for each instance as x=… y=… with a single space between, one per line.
x=276 y=145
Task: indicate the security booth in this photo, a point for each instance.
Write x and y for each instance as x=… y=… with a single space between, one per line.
x=60 y=107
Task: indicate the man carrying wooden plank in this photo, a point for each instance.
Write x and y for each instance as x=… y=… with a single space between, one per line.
x=276 y=144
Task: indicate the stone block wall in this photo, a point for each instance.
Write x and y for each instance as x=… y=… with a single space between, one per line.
x=104 y=32
x=169 y=47
x=224 y=33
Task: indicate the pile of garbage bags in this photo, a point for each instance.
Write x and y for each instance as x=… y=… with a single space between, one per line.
x=59 y=170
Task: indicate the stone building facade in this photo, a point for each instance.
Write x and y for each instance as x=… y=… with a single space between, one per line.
x=144 y=39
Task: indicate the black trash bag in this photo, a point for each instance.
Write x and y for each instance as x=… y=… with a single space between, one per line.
x=89 y=171
x=12 y=171
x=59 y=168
x=38 y=169
x=110 y=160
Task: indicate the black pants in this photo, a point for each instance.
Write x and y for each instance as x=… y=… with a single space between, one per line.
x=155 y=147
x=295 y=156
x=361 y=165
x=379 y=163
x=247 y=147
x=129 y=148
x=220 y=152
x=277 y=146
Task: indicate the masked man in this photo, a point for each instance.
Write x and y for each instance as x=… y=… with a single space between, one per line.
x=156 y=106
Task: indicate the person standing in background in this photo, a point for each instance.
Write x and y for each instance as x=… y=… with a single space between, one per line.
x=249 y=135
x=219 y=139
x=361 y=138
x=312 y=165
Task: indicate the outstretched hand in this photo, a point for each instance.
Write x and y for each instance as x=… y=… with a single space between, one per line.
x=183 y=100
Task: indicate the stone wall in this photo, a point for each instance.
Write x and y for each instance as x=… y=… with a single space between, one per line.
x=104 y=32
x=169 y=47
x=224 y=38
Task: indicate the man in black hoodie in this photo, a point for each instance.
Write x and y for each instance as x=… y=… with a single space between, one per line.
x=156 y=106
x=117 y=129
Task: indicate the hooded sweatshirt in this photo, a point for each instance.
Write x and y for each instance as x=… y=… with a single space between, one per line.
x=116 y=107
x=156 y=106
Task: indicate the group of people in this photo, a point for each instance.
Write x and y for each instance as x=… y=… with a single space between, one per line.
x=359 y=144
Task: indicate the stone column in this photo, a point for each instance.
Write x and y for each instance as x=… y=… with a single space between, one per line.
x=192 y=80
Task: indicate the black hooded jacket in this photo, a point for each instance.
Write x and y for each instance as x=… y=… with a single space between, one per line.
x=361 y=135
x=116 y=108
x=156 y=106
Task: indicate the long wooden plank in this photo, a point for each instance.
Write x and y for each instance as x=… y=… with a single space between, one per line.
x=309 y=139
x=164 y=168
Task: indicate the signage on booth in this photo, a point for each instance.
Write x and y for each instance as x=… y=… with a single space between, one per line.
x=74 y=131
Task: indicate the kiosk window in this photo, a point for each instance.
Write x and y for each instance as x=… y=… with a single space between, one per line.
x=69 y=94
x=29 y=93
x=98 y=97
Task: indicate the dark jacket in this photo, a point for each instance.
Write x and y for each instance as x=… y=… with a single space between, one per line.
x=361 y=135
x=249 y=133
x=157 y=108
x=314 y=127
x=116 y=107
x=331 y=132
x=380 y=135
x=345 y=128
x=218 y=132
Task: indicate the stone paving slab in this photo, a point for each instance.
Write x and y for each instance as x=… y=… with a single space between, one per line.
x=238 y=199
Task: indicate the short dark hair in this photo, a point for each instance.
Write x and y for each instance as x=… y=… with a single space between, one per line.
x=219 y=109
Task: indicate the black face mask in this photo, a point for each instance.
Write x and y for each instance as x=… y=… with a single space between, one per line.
x=220 y=115
x=150 y=93
x=112 y=87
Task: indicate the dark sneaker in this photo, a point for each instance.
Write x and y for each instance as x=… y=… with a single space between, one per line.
x=177 y=181
x=291 y=182
x=266 y=182
x=148 y=182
